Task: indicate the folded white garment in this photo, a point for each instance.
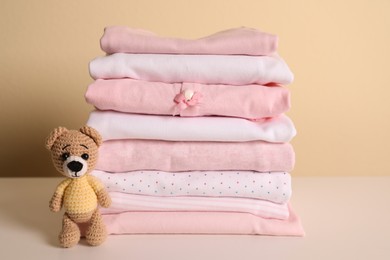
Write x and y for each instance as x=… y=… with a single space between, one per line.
x=208 y=69
x=123 y=202
x=272 y=186
x=116 y=125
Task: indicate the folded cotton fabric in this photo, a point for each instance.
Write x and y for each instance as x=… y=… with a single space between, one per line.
x=158 y=98
x=208 y=69
x=201 y=223
x=123 y=202
x=115 y=125
x=274 y=187
x=132 y=155
x=233 y=41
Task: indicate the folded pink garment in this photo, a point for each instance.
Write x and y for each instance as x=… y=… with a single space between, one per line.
x=124 y=202
x=144 y=97
x=233 y=41
x=131 y=155
x=206 y=69
x=201 y=223
x=274 y=187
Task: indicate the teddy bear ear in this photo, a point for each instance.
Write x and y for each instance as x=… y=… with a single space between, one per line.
x=91 y=132
x=54 y=135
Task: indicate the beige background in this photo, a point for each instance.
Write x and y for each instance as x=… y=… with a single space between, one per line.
x=338 y=50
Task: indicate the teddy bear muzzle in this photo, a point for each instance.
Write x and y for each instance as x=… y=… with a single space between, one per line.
x=75 y=166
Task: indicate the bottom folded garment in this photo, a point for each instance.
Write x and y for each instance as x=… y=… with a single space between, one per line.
x=201 y=223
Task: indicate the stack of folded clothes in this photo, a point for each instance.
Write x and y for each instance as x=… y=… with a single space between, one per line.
x=195 y=135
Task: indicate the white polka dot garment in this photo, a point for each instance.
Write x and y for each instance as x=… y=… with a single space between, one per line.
x=274 y=187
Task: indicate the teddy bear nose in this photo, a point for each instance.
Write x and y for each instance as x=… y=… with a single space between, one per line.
x=75 y=166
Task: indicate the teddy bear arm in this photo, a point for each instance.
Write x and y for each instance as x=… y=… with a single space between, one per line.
x=55 y=204
x=101 y=193
x=104 y=198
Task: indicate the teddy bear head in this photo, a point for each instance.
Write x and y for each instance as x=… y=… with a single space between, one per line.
x=74 y=152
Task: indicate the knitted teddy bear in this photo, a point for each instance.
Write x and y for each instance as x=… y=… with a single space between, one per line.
x=74 y=155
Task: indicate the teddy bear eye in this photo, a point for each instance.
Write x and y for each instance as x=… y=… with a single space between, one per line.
x=65 y=156
x=85 y=156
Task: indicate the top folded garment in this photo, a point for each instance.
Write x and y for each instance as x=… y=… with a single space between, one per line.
x=244 y=41
x=208 y=69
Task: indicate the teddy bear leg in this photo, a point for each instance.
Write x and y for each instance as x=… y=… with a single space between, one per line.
x=70 y=233
x=96 y=231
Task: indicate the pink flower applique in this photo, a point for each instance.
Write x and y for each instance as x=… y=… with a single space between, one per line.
x=186 y=98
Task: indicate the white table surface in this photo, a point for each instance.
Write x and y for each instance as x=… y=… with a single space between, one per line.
x=344 y=218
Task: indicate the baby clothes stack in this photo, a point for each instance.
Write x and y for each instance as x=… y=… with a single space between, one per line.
x=195 y=139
